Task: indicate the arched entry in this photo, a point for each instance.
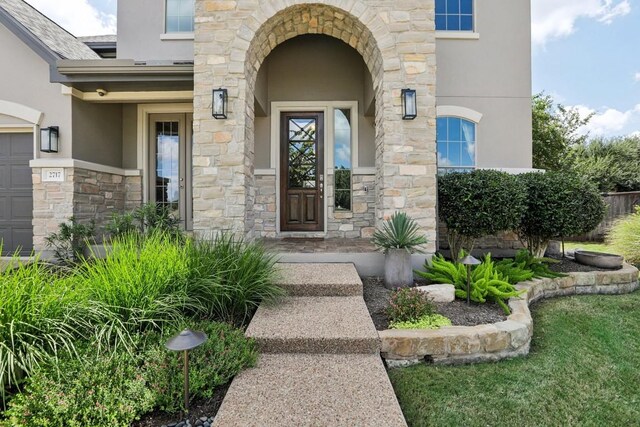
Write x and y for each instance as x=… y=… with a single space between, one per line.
x=397 y=56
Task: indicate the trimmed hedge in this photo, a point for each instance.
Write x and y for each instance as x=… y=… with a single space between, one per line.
x=479 y=203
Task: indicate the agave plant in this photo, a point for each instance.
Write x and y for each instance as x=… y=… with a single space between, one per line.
x=400 y=231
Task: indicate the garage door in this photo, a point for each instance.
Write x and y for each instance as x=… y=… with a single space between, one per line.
x=16 y=195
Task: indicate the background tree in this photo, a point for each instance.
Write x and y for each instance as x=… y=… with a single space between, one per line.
x=555 y=132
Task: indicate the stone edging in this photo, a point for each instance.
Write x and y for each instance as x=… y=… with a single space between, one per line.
x=511 y=338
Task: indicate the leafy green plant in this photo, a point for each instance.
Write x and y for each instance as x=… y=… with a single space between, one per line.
x=525 y=266
x=559 y=205
x=409 y=305
x=216 y=362
x=431 y=321
x=233 y=276
x=69 y=243
x=101 y=390
x=624 y=237
x=400 y=231
x=144 y=221
x=40 y=318
x=478 y=203
x=487 y=284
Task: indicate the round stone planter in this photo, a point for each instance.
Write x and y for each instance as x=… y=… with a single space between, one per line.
x=502 y=340
x=599 y=259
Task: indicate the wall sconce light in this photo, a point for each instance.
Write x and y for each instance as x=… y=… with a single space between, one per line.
x=409 y=104
x=49 y=139
x=219 y=104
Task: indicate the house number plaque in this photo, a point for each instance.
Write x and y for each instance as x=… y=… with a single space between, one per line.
x=53 y=175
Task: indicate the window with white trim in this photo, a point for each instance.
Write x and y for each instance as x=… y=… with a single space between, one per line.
x=342 y=158
x=179 y=16
x=456 y=139
x=454 y=15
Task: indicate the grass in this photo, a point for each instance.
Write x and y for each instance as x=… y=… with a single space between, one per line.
x=588 y=246
x=582 y=371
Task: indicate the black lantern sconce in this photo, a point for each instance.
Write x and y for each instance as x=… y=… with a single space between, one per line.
x=49 y=139
x=469 y=261
x=185 y=341
x=409 y=104
x=220 y=103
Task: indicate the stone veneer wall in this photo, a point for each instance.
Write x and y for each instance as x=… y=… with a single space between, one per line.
x=232 y=40
x=511 y=338
x=358 y=223
x=84 y=194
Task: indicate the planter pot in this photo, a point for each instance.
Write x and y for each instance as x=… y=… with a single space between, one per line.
x=397 y=269
x=598 y=259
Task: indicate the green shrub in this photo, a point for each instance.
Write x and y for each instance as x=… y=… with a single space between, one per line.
x=624 y=237
x=478 y=203
x=487 y=284
x=559 y=205
x=431 y=321
x=89 y=390
x=70 y=242
x=40 y=317
x=400 y=231
x=409 y=305
x=233 y=276
x=145 y=220
x=216 y=362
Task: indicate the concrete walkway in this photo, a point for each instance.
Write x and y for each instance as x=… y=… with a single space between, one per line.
x=319 y=363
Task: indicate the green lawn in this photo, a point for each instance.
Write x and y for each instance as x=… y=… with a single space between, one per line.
x=589 y=246
x=583 y=370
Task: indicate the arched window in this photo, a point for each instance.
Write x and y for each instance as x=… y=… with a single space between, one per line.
x=456 y=139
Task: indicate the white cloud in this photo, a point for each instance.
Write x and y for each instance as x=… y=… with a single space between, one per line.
x=636 y=76
x=608 y=121
x=552 y=19
x=77 y=16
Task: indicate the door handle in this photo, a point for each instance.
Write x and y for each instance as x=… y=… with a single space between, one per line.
x=321 y=189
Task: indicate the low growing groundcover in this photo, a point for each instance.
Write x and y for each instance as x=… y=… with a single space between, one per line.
x=582 y=371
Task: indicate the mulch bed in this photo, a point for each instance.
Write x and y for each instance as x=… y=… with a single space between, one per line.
x=376 y=296
x=199 y=411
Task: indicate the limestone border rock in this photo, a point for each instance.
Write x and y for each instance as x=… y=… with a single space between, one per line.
x=503 y=340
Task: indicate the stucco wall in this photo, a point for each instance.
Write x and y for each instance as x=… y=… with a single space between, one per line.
x=130 y=136
x=492 y=75
x=25 y=80
x=97 y=132
x=140 y=26
x=315 y=68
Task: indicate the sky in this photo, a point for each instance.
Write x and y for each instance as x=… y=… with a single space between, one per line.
x=586 y=53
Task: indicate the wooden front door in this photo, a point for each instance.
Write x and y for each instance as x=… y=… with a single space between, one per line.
x=301 y=172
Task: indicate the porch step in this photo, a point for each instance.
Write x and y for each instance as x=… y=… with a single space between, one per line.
x=327 y=280
x=315 y=325
x=287 y=390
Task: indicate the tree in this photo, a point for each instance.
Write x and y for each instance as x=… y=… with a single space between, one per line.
x=555 y=132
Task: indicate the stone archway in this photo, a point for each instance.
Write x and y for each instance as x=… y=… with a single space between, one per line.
x=231 y=43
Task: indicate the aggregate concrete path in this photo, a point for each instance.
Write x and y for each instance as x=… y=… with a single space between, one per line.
x=320 y=358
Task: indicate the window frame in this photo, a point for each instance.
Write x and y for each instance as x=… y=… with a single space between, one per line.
x=463 y=113
x=460 y=34
x=176 y=35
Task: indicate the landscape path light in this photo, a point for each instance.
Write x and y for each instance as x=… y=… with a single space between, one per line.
x=185 y=341
x=468 y=261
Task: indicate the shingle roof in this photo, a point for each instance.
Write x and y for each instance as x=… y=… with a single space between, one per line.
x=108 y=38
x=48 y=32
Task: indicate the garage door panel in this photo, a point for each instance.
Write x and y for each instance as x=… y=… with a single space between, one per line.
x=20 y=178
x=16 y=193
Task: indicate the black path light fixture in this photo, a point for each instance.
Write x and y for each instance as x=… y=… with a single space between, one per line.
x=409 y=104
x=49 y=139
x=220 y=103
x=185 y=341
x=469 y=261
